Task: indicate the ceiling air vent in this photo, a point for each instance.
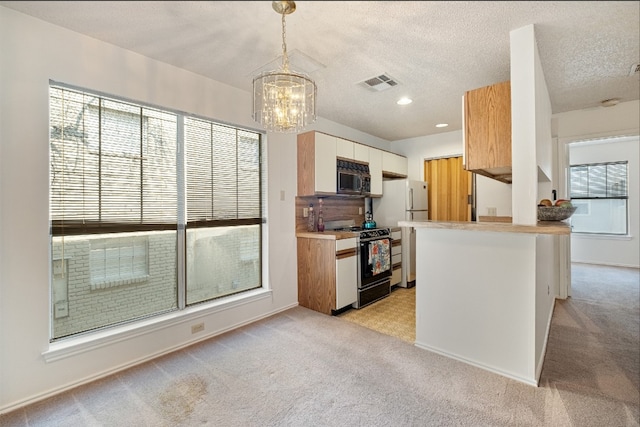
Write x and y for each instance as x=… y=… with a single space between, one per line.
x=380 y=83
x=635 y=69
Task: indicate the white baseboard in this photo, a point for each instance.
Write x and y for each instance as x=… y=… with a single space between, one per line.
x=528 y=381
x=606 y=264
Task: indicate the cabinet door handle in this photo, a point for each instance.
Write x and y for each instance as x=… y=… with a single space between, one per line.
x=346 y=253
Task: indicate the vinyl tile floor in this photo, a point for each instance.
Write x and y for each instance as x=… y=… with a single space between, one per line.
x=394 y=315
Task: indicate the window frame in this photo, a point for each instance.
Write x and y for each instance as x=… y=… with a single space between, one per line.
x=90 y=228
x=588 y=198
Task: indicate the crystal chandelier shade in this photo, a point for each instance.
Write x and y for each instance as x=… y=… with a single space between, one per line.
x=284 y=101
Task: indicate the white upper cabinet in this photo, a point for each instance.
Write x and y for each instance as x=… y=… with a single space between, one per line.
x=344 y=148
x=325 y=165
x=394 y=165
x=361 y=153
x=375 y=169
x=316 y=164
x=317 y=154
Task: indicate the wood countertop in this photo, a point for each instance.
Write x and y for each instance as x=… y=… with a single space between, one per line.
x=331 y=235
x=335 y=235
x=542 y=227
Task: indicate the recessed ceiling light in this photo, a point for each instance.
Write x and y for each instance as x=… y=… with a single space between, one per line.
x=442 y=125
x=404 y=101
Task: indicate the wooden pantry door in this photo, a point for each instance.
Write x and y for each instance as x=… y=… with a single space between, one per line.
x=450 y=189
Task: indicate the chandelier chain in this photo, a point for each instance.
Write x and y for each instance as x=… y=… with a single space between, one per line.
x=285 y=57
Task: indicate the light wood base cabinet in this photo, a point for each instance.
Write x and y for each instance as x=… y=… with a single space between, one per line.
x=327 y=274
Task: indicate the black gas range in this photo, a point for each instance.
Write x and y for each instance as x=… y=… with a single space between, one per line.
x=374 y=263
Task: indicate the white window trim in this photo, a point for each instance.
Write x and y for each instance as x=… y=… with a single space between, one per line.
x=90 y=340
x=76 y=345
x=601 y=236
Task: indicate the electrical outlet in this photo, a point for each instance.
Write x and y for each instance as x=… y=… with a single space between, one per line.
x=305 y=212
x=282 y=195
x=492 y=211
x=360 y=211
x=199 y=327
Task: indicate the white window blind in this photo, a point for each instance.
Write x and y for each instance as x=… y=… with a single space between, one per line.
x=599 y=191
x=597 y=181
x=224 y=213
x=223 y=175
x=113 y=165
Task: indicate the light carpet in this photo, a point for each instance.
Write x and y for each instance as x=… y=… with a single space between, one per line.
x=303 y=368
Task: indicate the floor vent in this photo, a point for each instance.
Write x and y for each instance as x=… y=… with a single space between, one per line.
x=380 y=83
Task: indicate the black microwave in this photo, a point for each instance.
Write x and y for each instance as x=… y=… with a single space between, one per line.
x=353 y=178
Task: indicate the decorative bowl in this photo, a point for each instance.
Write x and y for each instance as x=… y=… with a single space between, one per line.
x=555 y=213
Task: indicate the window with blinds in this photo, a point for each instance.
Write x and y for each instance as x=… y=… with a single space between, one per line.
x=223 y=174
x=119 y=174
x=113 y=165
x=599 y=191
x=224 y=212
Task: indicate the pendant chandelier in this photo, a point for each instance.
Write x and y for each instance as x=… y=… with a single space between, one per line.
x=283 y=100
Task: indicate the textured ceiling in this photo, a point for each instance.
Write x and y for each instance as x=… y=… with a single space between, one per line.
x=434 y=50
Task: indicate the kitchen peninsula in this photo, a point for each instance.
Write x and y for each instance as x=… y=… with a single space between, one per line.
x=485 y=293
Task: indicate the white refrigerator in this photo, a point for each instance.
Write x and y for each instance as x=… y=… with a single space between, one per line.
x=403 y=200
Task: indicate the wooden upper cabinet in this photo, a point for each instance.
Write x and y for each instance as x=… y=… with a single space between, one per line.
x=316 y=164
x=487 y=131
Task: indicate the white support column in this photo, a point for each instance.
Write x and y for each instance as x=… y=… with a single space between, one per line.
x=523 y=126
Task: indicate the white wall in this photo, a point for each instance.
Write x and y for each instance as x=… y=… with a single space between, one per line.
x=546 y=289
x=611 y=250
x=33 y=52
x=489 y=192
x=531 y=125
x=417 y=150
x=336 y=129
x=493 y=194
x=596 y=123
x=473 y=313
